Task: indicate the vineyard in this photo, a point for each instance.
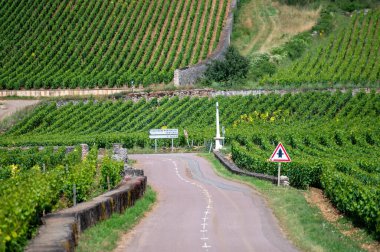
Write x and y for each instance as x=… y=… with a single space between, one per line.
x=332 y=138
x=67 y=44
x=351 y=55
x=35 y=182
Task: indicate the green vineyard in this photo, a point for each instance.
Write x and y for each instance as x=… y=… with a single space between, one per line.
x=351 y=55
x=67 y=44
x=332 y=138
x=44 y=180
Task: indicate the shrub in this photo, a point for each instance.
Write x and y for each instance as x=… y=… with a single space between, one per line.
x=233 y=67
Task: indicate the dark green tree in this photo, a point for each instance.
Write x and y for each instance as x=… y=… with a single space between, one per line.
x=233 y=67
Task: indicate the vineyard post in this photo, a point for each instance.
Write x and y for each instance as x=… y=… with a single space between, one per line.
x=155 y=145
x=74 y=195
x=172 y=144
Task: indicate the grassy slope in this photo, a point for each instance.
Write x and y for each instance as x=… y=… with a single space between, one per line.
x=263 y=24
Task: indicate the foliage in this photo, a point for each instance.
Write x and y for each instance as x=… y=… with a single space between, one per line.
x=331 y=143
x=261 y=65
x=321 y=131
x=28 y=194
x=23 y=199
x=352 y=5
x=25 y=159
x=111 y=172
x=297 y=2
x=295 y=47
x=233 y=67
x=350 y=56
x=82 y=176
x=55 y=44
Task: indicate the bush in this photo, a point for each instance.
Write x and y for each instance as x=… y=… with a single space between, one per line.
x=351 y=5
x=261 y=65
x=297 y=2
x=233 y=67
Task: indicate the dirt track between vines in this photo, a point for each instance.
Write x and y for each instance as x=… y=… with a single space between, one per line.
x=199 y=211
x=9 y=107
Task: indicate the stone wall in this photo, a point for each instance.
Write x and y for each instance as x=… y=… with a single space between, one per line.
x=190 y=74
x=119 y=153
x=214 y=93
x=66 y=92
x=61 y=230
x=234 y=169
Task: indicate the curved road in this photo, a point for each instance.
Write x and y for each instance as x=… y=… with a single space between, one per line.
x=199 y=211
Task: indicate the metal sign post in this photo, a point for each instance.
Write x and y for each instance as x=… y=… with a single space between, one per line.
x=281 y=156
x=163 y=134
x=279 y=174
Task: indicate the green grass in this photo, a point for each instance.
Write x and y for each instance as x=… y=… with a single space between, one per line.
x=302 y=223
x=105 y=235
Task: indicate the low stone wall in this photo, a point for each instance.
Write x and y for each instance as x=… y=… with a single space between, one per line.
x=139 y=94
x=66 y=92
x=61 y=230
x=214 y=93
x=233 y=168
x=190 y=74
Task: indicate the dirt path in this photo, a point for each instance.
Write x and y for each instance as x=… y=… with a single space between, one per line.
x=265 y=24
x=199 y=211
x=8 y=107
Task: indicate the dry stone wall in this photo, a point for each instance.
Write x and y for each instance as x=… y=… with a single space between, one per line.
x=190 y=74
x=61 y=230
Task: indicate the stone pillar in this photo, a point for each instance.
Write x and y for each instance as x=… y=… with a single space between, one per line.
x=119 y=153
x=218 y=138
x=85 y=150
x=69 y=149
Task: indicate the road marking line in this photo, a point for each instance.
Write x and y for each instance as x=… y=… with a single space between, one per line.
x=206 y=246
x=207 y=196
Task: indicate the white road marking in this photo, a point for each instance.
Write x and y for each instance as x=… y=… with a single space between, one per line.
x=207 y=195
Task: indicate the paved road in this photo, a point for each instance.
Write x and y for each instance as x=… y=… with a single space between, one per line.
x=199 y=211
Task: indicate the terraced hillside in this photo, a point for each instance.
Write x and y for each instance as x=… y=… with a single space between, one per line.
x=332 y=138
x=88 y=43
x=352 y=55
x=125 y=121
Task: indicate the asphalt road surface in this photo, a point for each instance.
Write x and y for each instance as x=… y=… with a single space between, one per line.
x=199 y=211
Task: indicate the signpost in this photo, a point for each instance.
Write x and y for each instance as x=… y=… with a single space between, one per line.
x=281 y=156
x=163 y=134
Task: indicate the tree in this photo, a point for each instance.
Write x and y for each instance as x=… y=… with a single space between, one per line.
x=233 y=67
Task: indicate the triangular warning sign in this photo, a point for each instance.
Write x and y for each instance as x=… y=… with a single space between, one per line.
x=280 y=154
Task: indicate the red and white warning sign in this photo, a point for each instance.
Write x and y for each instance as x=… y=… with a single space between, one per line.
x=280 y=154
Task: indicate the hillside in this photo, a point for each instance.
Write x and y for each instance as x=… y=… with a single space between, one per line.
x=129 y=122
x=351 y=55
x=331 y=137
x=297 y=43
x=88 y=43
